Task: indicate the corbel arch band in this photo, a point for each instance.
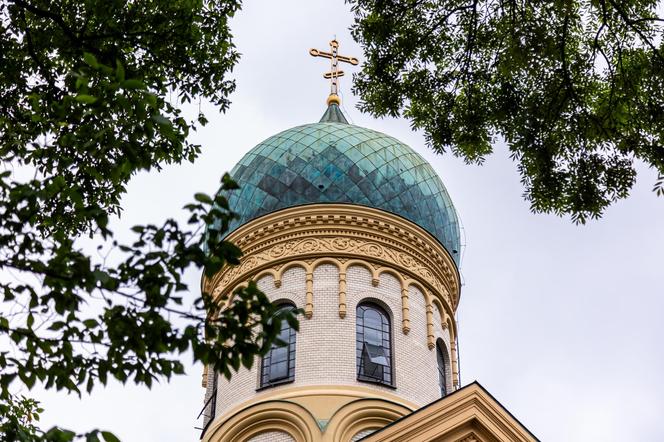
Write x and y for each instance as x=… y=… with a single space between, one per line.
x=375 y=270
x=343 y=231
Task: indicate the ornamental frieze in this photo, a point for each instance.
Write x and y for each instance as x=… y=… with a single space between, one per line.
x=303 y=248
x=344 y=232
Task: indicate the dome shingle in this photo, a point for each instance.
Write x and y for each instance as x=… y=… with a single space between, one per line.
x=335 y=162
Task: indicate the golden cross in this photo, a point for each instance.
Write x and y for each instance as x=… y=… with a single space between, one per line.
x=335 y=72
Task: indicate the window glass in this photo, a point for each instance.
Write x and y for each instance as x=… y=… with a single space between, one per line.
x=278 y=365
x=440 y=355
x=373 y=344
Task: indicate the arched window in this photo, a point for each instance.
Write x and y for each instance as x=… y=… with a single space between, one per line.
x=278 y=365
x=373 y=344
x=441 y=355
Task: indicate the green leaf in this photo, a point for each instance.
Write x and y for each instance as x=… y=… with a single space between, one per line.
x=84 y=98
x=101 y=276
x=203 y=198
x=90 y=323
x=90 y=59
x=160 y=119
x=133 y=84
x=109 y=437
x=119 y=71
x=92 y=437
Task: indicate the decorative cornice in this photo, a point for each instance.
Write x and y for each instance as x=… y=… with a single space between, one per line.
x=470 y=411
x=344 y=231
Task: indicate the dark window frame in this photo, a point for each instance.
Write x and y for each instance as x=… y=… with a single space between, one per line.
x=442 y=364
x=373 y=346
x=268 y=364
x=210 y=404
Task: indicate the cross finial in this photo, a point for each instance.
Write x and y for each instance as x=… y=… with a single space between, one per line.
x=335 y=72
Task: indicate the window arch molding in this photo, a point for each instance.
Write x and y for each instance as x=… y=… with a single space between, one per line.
x=374 y=343
x=278 y=364
x=443 y=366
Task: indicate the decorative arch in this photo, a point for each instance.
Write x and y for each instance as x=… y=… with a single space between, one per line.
x=428 y=299
x=290 y=264
x=343 y=269
x=284 y=416
x=405 y=303
x=342 y=280
x=412 y=282
x=309 y=296
x=441 y=312
x=391 y=271
x=362 y=414
x=268 y=272
x=326 y=260
x=358 y=262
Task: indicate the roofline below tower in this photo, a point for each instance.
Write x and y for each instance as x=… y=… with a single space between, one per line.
x=469 y=411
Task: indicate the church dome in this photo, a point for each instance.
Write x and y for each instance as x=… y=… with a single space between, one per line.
x=335 y=162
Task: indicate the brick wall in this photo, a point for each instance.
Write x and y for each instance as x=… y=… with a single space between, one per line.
x=325 y=349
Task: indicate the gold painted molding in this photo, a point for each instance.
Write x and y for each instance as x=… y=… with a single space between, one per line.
x=282 y=410
x=470 y=411
x=286 y=417
x=467 y=415
x=362 y=415
x=342 y=234
x=293 y=393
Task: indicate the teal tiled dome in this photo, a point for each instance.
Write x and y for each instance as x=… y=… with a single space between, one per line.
x=335 y=162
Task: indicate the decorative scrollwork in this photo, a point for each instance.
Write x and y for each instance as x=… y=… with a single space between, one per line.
x=343 y=232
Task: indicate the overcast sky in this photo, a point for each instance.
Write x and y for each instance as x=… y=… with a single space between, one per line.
x=561 y=323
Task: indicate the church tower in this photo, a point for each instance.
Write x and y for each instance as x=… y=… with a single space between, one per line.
x=357 y=230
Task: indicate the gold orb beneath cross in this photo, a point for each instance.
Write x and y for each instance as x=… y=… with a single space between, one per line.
x=333 y=99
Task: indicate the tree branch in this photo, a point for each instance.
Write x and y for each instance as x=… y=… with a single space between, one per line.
x=631 y=24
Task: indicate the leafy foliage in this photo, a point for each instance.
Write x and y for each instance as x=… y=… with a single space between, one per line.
x=90 y=93
x=17 y=417
x=576 y=88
